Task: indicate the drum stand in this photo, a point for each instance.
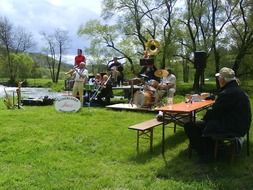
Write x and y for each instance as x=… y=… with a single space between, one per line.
x=132 y=94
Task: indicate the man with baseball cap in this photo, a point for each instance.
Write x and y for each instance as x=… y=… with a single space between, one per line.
x=229 y=115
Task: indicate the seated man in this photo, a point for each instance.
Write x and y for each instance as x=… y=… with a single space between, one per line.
x=116 y=69
x=230 y=115
x=106 y=91
x=166 y=87
x=148 y=71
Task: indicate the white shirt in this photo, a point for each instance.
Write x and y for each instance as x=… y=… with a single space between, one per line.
x=81 y=72
x=170 y=79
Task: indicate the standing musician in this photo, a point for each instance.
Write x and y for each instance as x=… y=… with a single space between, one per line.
x=106 y=91
x=117 y=71
x=79 y=58
x=81 y=76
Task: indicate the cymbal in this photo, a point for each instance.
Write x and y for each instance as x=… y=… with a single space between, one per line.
x=161 y=73
x=135 y=81
x=143 y=75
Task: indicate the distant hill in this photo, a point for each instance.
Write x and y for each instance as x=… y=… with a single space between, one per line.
x=40 y=59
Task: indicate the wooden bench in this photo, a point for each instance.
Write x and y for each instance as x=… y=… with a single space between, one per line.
x=145 y=128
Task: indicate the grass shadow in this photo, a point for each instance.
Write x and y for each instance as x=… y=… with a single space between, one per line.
x=218 y=174
x=172 y=141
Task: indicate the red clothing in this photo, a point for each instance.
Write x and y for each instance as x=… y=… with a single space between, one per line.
x=79 y=59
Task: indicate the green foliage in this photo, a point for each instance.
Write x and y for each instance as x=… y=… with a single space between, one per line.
x=22 y=65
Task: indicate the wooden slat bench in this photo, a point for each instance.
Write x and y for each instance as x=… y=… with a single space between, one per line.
x=145 y=128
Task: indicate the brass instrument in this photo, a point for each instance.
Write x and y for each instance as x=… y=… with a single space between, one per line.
x=152 y=47
x=99 y=89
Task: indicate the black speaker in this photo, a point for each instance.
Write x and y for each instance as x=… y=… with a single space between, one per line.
x=144 y=62
x=200 y=58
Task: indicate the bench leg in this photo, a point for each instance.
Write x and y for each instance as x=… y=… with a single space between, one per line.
x=137 y=145
x=151 y=140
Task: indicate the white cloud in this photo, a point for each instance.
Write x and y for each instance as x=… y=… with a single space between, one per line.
x=47 y=15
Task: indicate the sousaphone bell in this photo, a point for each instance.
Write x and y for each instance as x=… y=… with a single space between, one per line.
x=152 y=47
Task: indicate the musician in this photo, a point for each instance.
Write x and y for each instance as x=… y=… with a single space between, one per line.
x=98 y=80
x=117 y=71
x=79 y=58
x=167 y=86
x=106 y=91
x=80 y=77
x=149 y=71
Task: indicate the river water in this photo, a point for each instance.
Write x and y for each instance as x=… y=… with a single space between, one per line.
x=30 y=92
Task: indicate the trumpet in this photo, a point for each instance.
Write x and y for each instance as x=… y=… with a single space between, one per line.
x=152 y=47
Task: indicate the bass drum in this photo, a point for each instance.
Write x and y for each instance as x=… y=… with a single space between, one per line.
x=144 y=99
x=153 y=83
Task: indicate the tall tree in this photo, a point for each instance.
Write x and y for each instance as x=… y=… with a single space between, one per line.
x=16 y=40
x=242 y=32
x=56 y=43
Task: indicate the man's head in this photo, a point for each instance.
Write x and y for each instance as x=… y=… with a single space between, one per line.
x=225 y=75
x=105 y=77
x=79 y=51
x=82 y=65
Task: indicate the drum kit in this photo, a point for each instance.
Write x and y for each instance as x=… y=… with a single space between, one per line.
x=146 y=97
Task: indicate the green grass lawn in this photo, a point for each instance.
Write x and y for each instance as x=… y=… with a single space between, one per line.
x=94 y=149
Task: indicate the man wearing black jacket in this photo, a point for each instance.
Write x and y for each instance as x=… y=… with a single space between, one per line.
x=229 y=115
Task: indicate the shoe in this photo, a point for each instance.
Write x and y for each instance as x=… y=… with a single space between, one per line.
x=159 y=117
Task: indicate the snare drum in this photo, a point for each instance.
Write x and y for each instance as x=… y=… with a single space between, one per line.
x=144 y=99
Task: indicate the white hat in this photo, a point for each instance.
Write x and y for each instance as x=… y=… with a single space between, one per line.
x=226 y=73
x=82 y=63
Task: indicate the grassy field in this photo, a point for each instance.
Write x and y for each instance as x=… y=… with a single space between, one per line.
x=94 y=149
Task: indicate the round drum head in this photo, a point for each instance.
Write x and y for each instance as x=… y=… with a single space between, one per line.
x=143 y=99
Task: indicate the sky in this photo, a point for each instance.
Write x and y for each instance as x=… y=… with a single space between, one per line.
x=47 y=15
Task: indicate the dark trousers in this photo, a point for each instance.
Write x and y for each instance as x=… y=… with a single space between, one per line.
x=203 y=145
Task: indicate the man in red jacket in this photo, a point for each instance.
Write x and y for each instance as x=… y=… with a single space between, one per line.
x=79 y=58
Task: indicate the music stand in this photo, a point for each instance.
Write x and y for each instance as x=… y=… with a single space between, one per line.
x=144 y=62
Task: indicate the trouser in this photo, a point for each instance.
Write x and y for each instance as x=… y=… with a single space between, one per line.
x=78 y=87
x=163 y=93
x=203 y=145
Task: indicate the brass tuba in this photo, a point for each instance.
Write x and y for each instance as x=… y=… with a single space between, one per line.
x=152 y=47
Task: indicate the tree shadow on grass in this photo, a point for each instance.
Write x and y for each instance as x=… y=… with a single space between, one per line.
x=218 y=174
x=172 y=141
